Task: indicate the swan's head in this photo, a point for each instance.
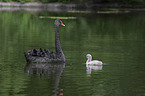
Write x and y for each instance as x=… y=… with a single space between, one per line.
x=89 y=57
x=59 y=22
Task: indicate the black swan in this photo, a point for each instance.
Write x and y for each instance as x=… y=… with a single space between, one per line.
x=45 y=55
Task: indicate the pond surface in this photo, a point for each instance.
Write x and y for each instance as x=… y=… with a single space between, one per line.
x=116 y=39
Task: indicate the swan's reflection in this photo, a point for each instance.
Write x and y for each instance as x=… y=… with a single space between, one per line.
x=90 y=68
x=42 y=69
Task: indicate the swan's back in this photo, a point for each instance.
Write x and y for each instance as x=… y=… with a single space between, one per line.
x=42 y=55
x=95 y=62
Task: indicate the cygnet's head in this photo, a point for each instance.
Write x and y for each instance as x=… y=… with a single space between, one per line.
x=89 y=57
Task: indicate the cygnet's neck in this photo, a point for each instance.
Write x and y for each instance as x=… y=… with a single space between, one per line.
x=89 y=59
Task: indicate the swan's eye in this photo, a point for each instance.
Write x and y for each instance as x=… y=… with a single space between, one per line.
x=59 y=21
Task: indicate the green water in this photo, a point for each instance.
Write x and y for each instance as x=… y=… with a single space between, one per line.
x=116 y=39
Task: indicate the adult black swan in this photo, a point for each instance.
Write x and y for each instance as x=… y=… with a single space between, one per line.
x=45 y=55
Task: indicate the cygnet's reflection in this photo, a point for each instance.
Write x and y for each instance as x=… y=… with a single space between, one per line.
x=41 y=69
x=90 y=68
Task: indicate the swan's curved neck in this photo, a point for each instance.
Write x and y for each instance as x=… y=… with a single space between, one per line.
x=57 y=40
x=89 y=59
x=57 y=44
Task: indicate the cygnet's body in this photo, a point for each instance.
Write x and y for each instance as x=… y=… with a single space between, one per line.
x=94 y=62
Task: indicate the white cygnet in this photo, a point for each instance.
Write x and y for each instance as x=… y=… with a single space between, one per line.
x=94 y=62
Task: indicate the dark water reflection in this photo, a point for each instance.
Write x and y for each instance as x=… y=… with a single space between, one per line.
x=116 y=39
x=52 y=71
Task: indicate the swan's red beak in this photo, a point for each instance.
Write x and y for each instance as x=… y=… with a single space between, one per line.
x=62 y=23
